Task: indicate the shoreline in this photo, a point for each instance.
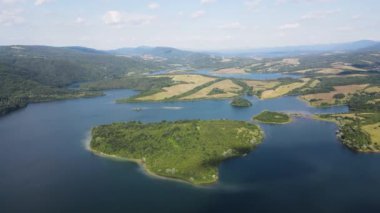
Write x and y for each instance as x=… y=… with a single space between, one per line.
x=338 y=125
x=142 y=166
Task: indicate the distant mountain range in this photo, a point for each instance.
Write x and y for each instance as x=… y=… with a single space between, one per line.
x=174 y=55
x=302 y=50
x=169 y=53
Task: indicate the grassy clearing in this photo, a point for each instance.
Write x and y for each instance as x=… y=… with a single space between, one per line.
x=228 y=86
x=329 y=71
x=375 y=89
x=272 y=117
x=374 y=132
x=314 y=83
x=257 y=87
x=291 y=61
x=344 y=66
x=185 y=150
x=283 y=90
x=185 y=83
x=330 y=98
x=261 y=85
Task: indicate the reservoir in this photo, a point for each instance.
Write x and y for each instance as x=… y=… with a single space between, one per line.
x=300 y=166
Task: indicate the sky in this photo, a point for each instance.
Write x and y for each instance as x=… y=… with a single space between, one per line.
x=187 y=24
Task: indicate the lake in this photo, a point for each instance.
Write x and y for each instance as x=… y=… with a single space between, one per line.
x=300 y=166
x=248 y=75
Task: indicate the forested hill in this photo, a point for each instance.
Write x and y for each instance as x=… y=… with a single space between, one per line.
x=171 y=55
x=62 y=66
x=41 y=73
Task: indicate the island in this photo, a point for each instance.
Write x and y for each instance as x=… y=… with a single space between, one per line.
x=272 y=117
x=187 y=150
x=240 y=102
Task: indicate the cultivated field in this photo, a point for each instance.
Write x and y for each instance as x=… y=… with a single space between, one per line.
x=328 y=98
x=283 y=90
x=372 y=89
x=185 y=83
x=373 y=130
x=228 y=86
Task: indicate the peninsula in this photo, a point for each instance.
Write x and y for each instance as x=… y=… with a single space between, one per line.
x=186 y=150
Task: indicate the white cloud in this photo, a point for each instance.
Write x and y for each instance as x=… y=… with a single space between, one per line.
x=289 y=26
x=113 y=17
x=117 y=18
x=10 y=1
x=79 y=20
x=153 y=5
x=252 y=4
x=40 y=2
x=232 y=26
x=11 y=17
x=198 y=14
x=207 y=1
x=320 y=14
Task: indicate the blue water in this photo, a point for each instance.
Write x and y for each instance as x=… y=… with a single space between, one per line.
x=251 y=76
x=300 y=167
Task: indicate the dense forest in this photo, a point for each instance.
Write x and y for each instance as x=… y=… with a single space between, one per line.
x=186 y=150
x=39 y=73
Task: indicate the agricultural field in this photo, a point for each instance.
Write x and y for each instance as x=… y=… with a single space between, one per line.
x=283 y=89
x=229 y=88
x=183 y=84
x=339 y=96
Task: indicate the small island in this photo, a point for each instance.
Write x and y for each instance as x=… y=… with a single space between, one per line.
x=272 y=117
x=190 y=151
x=240 y=102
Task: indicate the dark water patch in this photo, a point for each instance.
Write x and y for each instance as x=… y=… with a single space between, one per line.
x=300 y=167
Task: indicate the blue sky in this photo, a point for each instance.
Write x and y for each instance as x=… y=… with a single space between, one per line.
x=189 y=24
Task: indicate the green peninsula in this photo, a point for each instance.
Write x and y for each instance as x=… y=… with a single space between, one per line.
x=358 y=131
x=186 y=150
x=272 y=117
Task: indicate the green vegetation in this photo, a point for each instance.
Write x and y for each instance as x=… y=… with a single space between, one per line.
x=364 y=102
x=60 y=67
x=39 y=73
x=16 y=92
x=339 y=96
x=240 y=102
x=140 y=83
x=357 y=130
x=327 y=84
x=173 y=98
x=272 y=117
x=185 y=150
x=216 y=91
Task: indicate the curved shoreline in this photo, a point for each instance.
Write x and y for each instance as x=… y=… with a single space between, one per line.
x=142 y=166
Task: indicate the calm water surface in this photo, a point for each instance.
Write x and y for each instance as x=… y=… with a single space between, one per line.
x=300 y=167
x=252 y=76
